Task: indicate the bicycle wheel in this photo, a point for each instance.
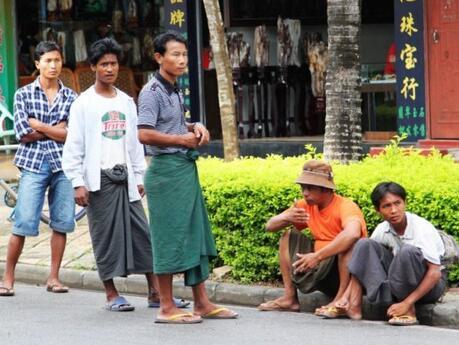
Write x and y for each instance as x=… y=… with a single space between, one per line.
x=9 y=198
x=80 y=212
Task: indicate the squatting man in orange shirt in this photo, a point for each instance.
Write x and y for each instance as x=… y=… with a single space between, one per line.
x=336 y=224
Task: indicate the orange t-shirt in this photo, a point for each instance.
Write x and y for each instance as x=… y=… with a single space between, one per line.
x=327 y=223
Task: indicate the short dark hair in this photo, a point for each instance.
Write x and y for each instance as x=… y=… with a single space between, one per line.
x=45 y=47
x=383 y=188
x=161 y=40
x=102 y=47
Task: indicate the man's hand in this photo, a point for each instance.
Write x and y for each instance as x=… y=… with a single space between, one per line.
x=141 y=190
x=190 y=140
x=82 y=196
x=36 y=124
x=295 y=215
x=202 y=133
x=399 y=309
x=305 y=262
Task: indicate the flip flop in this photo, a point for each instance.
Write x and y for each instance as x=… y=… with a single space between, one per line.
x=275 y=306
x=319 y=311
x=333 y=313
x=179 y=319
x=217 y=314
x=403 y=320
x=5 y=292
x=119 y=304
x=57 y=288
x=179 y=303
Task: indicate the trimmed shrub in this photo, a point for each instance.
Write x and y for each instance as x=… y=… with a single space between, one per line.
x=242 y=195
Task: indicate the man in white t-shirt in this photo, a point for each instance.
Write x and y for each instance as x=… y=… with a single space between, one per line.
x=105 y=163
x=399 y=265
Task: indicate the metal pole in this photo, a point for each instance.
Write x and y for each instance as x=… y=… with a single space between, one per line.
x=8 y=147
x=200 y=72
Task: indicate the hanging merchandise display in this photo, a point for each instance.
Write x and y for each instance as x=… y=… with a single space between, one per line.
x=136 y=53
x=52 y=10
x=81 y=54
x=132 y=14
x=65 y=9
x=61 y=40
x=261 y=46
x=117 y=18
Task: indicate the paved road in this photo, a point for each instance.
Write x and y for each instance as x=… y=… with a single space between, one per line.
x=36 y=317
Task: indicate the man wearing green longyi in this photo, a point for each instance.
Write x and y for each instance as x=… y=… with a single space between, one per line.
x=181 y=235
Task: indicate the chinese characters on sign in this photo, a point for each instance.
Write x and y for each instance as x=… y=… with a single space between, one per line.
x=176 y=19
x=409 y=26
x=407 y=56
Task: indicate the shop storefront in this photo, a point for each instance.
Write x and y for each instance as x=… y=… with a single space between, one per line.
x=409 y=63
x=77 y=24
x=278 y=51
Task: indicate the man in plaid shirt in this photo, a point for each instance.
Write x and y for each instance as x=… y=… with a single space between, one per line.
x=41 y=111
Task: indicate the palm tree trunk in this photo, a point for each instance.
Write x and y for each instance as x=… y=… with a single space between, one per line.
x=343 y=130
x=224 y=80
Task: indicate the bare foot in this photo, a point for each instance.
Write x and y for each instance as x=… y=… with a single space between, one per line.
x=280 y=304
x=54 y=285
x=7 y=284
x=354 y=312
x=211 y=311
x=342 y=303
x=319 y=311
x=179 y=317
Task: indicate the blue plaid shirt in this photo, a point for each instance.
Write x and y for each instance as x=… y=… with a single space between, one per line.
x=30 y=101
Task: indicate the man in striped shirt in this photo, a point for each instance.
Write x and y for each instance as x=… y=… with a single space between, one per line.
x=41 y=111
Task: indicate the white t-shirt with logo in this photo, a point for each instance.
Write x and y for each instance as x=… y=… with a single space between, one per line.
x=84 y=150
x=113 y=121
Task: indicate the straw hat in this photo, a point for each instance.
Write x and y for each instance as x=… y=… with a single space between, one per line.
x=317 y=173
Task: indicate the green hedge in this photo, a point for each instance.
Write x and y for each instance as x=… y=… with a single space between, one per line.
x=242 y=195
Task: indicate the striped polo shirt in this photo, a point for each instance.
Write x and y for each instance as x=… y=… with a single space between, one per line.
x=161 y=108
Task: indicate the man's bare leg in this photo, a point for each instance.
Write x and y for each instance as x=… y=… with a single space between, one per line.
x=110 y=290
x=202 y=304
x=344 y=279
x=351 y=300
x=167 y=307
x=152 y=282
x=344 y=275
x=343 y=301
x=289 y=301
x=354 y=310
x=58 y=242
x=15 y=246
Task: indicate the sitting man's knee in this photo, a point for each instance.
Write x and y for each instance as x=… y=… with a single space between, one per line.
x=284 y=239
x=363 y=243
x=408 y=250
x=285 y=236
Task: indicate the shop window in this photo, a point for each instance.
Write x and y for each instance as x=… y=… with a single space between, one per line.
x=77 y=24
x=311 y=12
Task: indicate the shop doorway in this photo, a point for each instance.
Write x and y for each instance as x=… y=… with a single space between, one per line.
x=443 y=68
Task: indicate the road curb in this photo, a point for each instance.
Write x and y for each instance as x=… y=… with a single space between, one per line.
x=445 y=314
